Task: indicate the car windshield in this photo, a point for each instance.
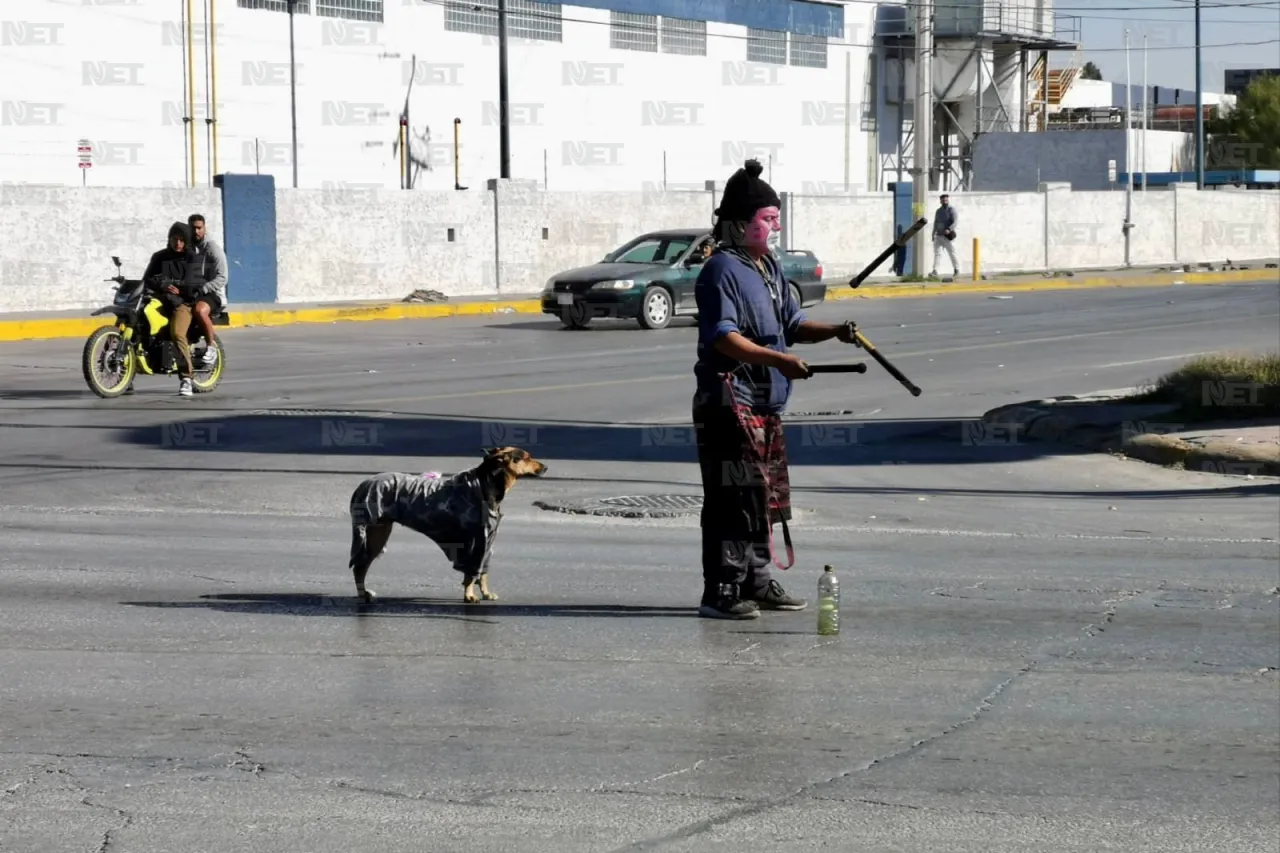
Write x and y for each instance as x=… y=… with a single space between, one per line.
x=651 y=250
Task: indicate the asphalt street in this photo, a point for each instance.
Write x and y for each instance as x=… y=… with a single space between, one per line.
x=1041 y=649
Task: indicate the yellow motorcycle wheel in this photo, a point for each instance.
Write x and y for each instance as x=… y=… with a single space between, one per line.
x=205 y=380
x=99 y=341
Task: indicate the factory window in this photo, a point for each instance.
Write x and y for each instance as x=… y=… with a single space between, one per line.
x=301 y=7
x=809 y=51
x=681 y=36
x=352 y=10
x=525 y=19
x=628 y=31
x=766 y=46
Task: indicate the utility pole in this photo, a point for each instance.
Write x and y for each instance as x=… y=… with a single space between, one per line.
x=293 y=95
x=922 y=154
x=1128 y=150
x=504 y=107
x=1199 y=108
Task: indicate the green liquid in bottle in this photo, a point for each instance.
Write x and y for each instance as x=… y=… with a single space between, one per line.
x=828 y=602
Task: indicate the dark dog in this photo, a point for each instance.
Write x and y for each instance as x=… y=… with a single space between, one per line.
x=459 y=513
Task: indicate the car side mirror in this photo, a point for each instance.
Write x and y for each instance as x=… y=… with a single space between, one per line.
x=116 y=259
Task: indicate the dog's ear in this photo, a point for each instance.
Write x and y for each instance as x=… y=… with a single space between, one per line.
x=492 y=451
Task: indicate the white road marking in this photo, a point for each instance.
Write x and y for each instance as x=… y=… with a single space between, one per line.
x=1150 y=360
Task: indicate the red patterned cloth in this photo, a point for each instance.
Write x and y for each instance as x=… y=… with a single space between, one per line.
x=765 y=448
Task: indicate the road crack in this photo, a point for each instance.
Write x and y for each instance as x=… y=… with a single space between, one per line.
x=984 y=705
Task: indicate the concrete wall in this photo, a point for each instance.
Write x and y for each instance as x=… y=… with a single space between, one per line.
x=1020 y=162
x=380 y=244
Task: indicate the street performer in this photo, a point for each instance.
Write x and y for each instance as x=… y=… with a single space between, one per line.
x=747 y=319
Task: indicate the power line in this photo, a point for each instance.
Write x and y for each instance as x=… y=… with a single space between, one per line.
x=845 y=44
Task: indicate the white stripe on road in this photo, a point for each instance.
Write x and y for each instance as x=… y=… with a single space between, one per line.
x=1150 y=360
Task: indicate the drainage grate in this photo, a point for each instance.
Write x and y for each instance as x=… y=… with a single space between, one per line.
x=655 y=501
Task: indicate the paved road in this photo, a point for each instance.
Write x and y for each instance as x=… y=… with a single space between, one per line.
x=1042 y=650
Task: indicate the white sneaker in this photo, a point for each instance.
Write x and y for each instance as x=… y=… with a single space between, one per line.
x=210 y=356
x=184 y=388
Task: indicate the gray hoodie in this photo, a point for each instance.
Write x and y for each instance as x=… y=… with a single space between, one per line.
x=210 y=253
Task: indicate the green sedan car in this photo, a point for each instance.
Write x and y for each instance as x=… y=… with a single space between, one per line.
x=651 y=279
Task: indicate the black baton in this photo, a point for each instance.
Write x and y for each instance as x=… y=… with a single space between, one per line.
x=897 y=244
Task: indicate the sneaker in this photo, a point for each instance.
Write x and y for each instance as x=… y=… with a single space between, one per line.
x=210 y=357
x=184 y=388
x=726 y=604
x=775 y=598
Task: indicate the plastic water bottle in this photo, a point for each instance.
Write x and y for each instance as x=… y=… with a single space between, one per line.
x=828 y=602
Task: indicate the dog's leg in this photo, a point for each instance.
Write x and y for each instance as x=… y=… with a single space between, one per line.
x=484 y=589
x=468 y=589
x=375 y=542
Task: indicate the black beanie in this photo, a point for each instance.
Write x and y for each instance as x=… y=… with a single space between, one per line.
x=180 y=229
x=745 y=193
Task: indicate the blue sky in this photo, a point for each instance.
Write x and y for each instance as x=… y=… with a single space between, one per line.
x=1169 y=25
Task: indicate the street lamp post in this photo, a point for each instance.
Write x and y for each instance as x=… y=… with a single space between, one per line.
x=1199 y=109
x=504 y=107
x=293 y=96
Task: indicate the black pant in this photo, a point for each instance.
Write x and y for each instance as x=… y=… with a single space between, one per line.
x=735 y=509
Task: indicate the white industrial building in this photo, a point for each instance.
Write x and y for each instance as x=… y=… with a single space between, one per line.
x=604 y=94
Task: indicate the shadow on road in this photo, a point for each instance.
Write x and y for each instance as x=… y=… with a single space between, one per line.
x=301 y=604
x=833 y=442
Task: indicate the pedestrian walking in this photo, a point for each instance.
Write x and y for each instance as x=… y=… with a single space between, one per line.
x=748 y=317
x=944 y=231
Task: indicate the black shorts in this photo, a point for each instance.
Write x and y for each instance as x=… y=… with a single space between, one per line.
x=215 y=304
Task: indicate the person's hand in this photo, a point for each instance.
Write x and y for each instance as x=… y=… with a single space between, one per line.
x=794 y=367
x=847 y=332
x=172 y=289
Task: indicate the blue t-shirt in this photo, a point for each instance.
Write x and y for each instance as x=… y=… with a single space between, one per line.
x=732 y=296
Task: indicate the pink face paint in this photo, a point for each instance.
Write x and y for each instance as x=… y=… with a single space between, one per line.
x=766 y=222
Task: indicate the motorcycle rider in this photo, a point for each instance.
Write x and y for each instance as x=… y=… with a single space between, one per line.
x=180 y=280
x=212 y=299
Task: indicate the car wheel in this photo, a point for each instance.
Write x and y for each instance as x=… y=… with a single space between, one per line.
x=655 y=308
x=795 y=291
x=576 y=316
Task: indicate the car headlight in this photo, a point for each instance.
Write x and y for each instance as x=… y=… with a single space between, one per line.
x=622 y=284
x=122 y=297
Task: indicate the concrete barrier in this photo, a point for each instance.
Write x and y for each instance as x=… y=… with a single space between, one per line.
x=343 y=244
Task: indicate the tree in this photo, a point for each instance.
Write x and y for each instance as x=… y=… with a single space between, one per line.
x=1248 y=136
x=1090 y=72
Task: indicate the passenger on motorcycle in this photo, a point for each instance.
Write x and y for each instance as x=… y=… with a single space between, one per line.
x=212 y=299
x=179 y=281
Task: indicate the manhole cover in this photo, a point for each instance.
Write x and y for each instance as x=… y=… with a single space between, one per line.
x=629 y=506
x=655 y=502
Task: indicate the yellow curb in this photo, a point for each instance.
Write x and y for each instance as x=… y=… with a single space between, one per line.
x=891 y=291
x=29 y=330
x=75 y=327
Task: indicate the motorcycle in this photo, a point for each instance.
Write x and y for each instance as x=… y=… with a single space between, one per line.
x=140 y=341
